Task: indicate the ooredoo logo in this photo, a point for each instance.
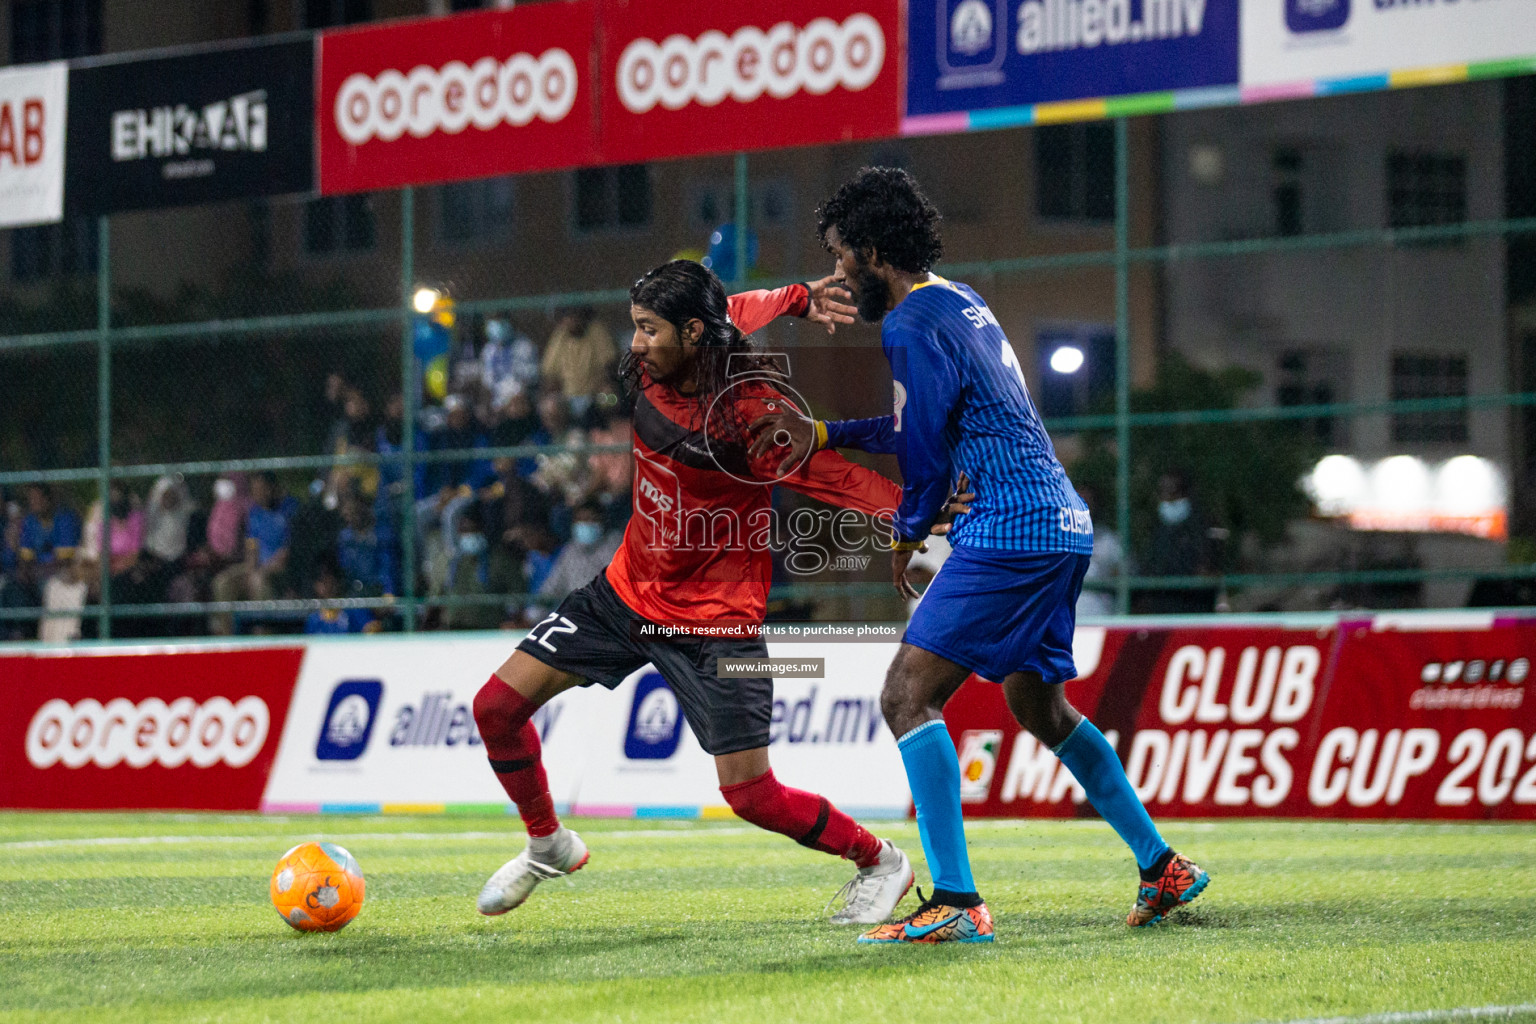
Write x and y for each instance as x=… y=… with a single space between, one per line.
x=149 y=732
x=781 y=62
x=449 y=99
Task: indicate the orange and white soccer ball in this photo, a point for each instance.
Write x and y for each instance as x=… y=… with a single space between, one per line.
x=317 y=887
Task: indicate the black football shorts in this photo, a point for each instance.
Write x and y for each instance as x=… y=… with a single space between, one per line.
x=596 y=635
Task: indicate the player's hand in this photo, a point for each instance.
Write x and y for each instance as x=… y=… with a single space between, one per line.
x=829 y=304
x=957 y=504
x=899 y=563
x=785 y=429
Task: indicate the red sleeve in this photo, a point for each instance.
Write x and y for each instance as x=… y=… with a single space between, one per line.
x=827 y=476
x=751 y=311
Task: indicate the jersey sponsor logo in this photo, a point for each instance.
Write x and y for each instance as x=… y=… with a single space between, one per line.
x=449 y=99
x=1075 y=520
x=781 y=61
x=348 y=721
x=655 y=721
x=121 y=732
x=658 y=498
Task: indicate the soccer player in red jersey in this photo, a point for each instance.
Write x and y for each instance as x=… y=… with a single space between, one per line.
x=689 y=585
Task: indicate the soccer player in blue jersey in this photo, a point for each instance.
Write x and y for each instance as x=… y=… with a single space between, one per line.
x=1002 y=606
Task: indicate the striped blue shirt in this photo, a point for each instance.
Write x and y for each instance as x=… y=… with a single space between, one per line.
x=961 y=406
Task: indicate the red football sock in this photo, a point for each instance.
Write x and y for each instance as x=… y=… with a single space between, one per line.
x=512 y=743
x=807 y=818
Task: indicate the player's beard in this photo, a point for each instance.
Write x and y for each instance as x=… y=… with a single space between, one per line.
x=870 y=293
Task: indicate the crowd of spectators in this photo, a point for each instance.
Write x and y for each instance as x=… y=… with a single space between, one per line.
x=485 y=526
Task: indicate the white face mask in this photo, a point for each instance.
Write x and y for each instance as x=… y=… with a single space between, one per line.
x=224 y=490
x=1173 y=512
x=472 y=544
x=586 y=534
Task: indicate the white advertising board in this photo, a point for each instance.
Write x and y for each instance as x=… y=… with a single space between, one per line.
x=387 y=724
x=33 y=103
x=1289 y=41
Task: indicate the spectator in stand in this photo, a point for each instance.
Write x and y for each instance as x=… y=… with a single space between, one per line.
x=357 y=437
x=226 y=520
x=365 y=552
x=311 y=537
x=12 y=594
x=478 y=568
x=127 y=539
x=267 y=535
x=580 y=358
x=389 y=440
x=520 y=504
x=590 y=550
x=452 y=485
x=49 y=535
x=66 y=590
x=509 y=364
x=562 y=475
x=539 y=550
x=1180 y=546
x=327 y=587
x=611 y=475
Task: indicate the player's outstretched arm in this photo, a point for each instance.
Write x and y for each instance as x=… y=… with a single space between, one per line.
x=821 y=302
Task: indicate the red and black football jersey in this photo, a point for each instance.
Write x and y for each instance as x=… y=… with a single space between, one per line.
x=696 y=550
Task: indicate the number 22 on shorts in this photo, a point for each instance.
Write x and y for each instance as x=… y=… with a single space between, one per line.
x=557 y=623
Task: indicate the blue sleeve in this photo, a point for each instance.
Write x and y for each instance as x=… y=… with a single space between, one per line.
x=66 y=529
x=876 y=435
x=928 y=390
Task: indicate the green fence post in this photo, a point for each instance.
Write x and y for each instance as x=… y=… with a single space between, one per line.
x=412 y=397
x=1123 y=360
x=104 y=416
x=743 y=204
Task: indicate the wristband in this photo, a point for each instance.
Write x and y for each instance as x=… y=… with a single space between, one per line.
x=821 y=434
x=808 y=301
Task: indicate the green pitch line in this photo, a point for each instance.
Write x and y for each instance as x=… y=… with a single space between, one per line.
x=165 y=917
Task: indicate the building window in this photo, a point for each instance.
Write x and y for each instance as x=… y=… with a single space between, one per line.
x=330 y=13
x=1426 y=189
x=54 y=250
x=613 y=197
x=54 y=30
x=1288 y=193
x=1310 y=376
x=1420 y=375
x=475 y=211
x=1075 y=171
x=339 y=224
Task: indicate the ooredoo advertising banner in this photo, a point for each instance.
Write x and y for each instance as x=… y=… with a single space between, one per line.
x=976 y=54
x=1296 y=41
x=685 y=79
x=467 y=96
x=1379 y=718
x=142 y=728
x=215 y=125
x=32 y=118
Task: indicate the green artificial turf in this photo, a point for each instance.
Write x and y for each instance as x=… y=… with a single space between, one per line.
x=165 y=917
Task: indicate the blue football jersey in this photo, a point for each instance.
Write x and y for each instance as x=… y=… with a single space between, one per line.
x=961 y=405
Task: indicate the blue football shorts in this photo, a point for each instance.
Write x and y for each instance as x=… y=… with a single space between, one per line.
x=1000 y=612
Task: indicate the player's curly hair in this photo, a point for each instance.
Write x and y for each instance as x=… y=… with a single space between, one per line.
x=882 y=208
x=678 y=292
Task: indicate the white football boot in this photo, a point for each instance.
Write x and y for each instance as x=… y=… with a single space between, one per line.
x=560 y=855
x=871 y=895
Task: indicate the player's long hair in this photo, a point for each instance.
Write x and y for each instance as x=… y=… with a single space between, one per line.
x=678 y=292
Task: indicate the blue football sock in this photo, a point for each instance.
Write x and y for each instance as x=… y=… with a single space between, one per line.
x=1096 y=766
x=933 y=772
